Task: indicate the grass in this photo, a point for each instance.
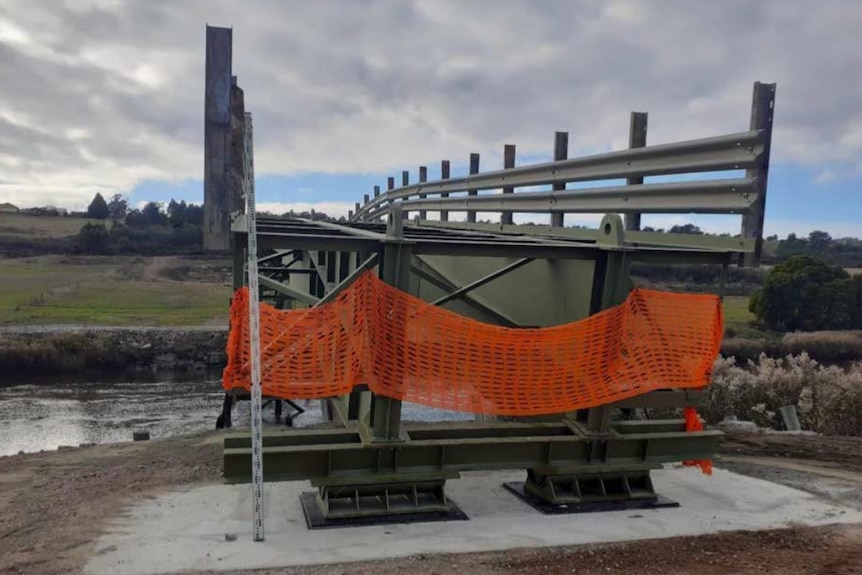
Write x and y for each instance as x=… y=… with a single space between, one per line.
x=738 y=320
x=103 y=291
x=22 y=225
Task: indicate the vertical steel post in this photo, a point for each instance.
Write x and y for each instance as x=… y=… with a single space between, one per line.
x=508 y=164
x=395 y=270
x=474 y=169
x=637 y=139
x=561 y=152
x=762 y=111
x=423 y=177
x=610 y=287
x=444 y=175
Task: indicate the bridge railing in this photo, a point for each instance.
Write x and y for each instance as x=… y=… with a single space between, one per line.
x=744 y=195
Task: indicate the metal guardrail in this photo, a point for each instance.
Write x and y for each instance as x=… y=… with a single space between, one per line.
x=745 y=196
x=729 y=152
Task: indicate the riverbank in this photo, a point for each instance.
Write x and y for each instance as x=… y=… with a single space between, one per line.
x=56 y=350
x=55 y=505
x=46 y=350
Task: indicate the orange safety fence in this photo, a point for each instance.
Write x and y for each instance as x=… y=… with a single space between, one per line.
x=407 y=349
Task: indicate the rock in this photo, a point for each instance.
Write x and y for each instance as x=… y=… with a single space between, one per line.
x=140 y=435
x=748 y=426
x=230 y=536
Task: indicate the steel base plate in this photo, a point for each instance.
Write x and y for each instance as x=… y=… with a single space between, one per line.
x=314 y=518
x=658 y=502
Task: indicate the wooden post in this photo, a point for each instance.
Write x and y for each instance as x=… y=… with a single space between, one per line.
x=561 y=152
x=217 y=138
x=423 y=177
x=376 y=191
x=444 y=175
x=762 y=109
x=508 y=164
x=474 y=169
x=637 y=139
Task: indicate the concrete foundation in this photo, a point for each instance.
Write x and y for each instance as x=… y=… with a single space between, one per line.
x=195 y=529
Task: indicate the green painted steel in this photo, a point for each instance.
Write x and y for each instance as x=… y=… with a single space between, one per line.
x=341 y=457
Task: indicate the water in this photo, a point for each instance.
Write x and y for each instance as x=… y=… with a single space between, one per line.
x=44 y=416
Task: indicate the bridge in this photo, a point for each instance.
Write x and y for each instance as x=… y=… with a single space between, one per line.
x=519 y=279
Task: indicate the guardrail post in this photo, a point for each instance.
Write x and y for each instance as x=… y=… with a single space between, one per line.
x=637 y=139
x=405 y=181
x=390 y=185
x=423 y=177
x=561 y=152
x=508 y=164
x=762 y=110
x=444 y=175
x=474 y=169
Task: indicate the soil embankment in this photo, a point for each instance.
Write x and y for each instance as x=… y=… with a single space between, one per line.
x=54 y=506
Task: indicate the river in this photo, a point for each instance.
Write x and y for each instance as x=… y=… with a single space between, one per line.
x=46 y=415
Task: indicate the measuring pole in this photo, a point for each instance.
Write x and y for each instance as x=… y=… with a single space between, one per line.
x=254 y=335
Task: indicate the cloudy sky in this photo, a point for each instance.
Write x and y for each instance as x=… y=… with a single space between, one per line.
x=107 y=95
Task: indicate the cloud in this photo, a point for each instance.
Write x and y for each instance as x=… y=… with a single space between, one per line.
x=105 y=94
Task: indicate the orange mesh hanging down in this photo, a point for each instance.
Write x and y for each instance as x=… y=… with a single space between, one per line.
x=405 y=348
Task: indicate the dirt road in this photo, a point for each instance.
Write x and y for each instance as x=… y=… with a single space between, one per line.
x=54 y=505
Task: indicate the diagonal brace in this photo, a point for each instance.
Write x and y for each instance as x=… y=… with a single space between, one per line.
x=367 y=264
x=482 y=281
x=446 y=285
x=288 y=291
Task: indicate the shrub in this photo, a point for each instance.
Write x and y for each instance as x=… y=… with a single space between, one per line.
x=92 y=239
x=828 y=400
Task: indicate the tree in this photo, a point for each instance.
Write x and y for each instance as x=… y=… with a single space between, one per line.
x=686 y=229
x=177 y=212
x=819 y=241
x=118 y=208
x=153 y=215
x=806 y=294
x=98 y=208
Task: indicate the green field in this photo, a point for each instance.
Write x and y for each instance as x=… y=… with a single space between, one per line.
x=738 y=318
x=109 y=290
x=22 y=225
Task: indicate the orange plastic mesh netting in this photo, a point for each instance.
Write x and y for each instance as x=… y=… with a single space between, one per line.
x=405 y=348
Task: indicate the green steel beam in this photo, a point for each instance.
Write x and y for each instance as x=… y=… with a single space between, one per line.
x=693 y=241
x=340 y=455
x=395 y=271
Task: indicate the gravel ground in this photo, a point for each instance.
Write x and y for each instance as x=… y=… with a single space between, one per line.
x=54 y=505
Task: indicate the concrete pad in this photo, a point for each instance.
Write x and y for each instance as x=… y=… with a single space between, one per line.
x=186 y=530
